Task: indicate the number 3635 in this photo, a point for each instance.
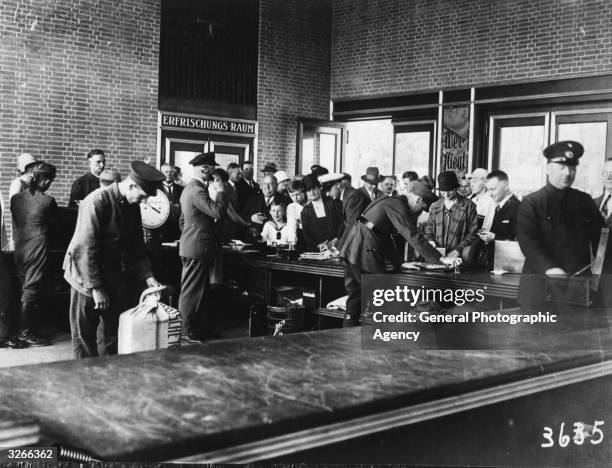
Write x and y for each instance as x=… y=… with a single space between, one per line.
x=579 y=434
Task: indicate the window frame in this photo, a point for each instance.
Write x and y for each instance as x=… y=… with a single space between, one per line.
x=416 y=126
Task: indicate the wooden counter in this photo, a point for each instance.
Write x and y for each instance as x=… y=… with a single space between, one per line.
x=263 y=398
x=505 y=286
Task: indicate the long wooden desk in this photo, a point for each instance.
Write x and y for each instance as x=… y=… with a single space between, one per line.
x=303 y=397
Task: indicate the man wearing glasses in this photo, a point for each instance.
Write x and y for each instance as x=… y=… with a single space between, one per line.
x=604 y=202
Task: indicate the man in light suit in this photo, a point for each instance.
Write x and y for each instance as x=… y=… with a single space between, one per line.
x=198 y=243
x=604 y=201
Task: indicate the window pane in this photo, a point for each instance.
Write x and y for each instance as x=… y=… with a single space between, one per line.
x=181 y=159
x=223 y=159
x=307 y=155
x=370 y=143
x=412 y=152
x=520 y=156
x=327 y=150
x=592 y=135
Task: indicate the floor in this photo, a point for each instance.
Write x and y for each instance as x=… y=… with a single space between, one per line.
x=61 y=347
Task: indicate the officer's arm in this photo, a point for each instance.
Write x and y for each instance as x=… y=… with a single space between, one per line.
x=530 y=238
x=355 y=206
x=214 y=209
x=137 y=253
x=338 y=218
x=406 y=226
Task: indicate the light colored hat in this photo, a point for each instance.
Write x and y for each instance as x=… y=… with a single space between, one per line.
x=479 y=173
x=281 y=176
x=24 y=160
x=330 y=178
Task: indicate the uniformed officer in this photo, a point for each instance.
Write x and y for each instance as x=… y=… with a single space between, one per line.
x=199 y=244
x=108 y=249
x=558 y=227
x=366 y=246
x=33 y=211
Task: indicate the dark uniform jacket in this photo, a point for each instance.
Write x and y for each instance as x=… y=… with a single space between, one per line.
x=316 y=230
x=367 y=248
x=82 y=187
x=456 y=232
x=354 y=204
x=245 y=192
x=107 y=241
x=198 y=239
x=555 y=228
x=504 y=220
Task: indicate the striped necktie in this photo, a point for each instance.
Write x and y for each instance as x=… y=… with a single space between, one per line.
x=604 y=206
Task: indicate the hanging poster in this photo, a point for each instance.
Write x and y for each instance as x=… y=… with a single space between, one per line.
x=455 y=138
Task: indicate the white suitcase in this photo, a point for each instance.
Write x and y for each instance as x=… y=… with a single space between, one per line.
x=150 y=325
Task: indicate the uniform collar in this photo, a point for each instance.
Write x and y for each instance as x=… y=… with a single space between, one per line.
x=555 y=192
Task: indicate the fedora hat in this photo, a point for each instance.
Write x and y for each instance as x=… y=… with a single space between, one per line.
x=270 y=167
x=372 y=176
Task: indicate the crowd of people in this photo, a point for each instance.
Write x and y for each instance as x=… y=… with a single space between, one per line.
x=458 y=220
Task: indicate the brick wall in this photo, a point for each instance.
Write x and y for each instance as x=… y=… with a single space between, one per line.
x=74 y=76
x=399 y=46
x=294 y=73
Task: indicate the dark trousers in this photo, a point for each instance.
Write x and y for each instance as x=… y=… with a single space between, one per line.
x=6 y=298
x=31 y=262
x=84 y=322
x=195 y=282
x=352 y=284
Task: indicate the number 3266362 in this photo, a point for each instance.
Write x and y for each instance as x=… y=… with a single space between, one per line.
x=579 y=435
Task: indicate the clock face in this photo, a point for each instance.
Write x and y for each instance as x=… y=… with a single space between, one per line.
x=155 y=210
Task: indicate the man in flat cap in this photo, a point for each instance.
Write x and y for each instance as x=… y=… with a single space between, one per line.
x=198 y=245
x=367 y=245
x=106 y=251
x=558 y=227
